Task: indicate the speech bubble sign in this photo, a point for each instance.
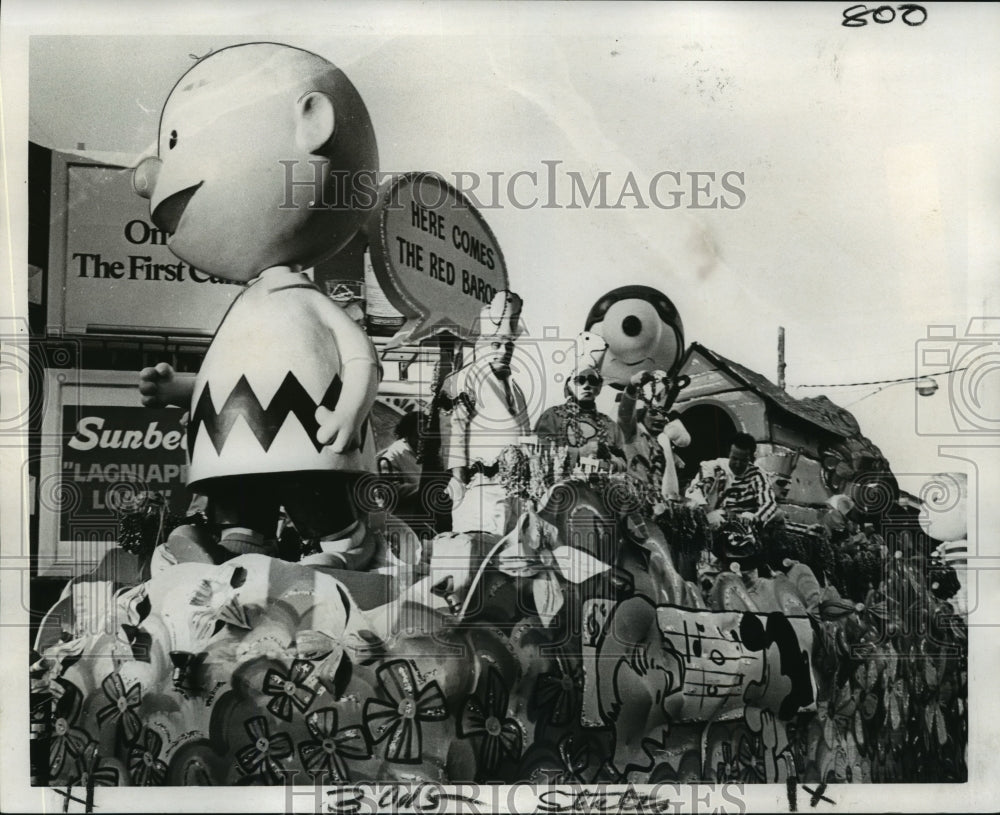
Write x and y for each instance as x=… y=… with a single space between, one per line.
x=434 y=256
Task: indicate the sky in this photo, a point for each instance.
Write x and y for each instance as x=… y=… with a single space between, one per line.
x=869 y=159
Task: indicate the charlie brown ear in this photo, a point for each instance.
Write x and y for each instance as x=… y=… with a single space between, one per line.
x=314 y=121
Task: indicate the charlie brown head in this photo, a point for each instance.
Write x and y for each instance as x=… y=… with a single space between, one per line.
x=235 y=131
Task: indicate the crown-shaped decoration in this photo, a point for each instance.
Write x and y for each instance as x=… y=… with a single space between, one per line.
x=590 y=350
x=501 y=319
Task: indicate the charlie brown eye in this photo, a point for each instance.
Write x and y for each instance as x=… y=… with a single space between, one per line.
x=173 y=140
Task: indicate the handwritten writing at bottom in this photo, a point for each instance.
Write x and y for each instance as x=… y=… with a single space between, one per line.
x=362 y=799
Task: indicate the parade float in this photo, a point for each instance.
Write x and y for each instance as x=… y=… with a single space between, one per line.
x=603 y=635
x=593 y=660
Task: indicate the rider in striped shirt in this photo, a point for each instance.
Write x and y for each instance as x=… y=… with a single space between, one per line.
x=748 y=491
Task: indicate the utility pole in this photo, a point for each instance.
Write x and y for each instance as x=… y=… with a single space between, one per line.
x=781 y=357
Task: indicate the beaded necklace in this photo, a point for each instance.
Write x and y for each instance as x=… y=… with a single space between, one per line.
x=574 y=437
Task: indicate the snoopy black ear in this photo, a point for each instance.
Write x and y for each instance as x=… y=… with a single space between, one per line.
x=314 y=121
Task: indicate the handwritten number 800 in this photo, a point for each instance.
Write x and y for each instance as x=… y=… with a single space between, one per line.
x=911 y=14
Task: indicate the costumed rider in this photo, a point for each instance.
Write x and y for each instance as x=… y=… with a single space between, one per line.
x=740 y=573
x=652 y=432
x=734 y=486
x=252 y=141
x=489 y=412
x=577 y=424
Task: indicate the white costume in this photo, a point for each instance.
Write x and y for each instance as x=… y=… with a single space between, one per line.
x=489 y=413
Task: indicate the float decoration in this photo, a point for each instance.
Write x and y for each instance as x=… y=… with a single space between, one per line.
x=864 y=696
x=434 y=256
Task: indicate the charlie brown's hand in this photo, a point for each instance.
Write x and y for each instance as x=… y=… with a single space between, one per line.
x=161 y=386
x=338 y=428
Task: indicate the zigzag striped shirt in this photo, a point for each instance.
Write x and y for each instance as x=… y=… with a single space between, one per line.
x=750 y=492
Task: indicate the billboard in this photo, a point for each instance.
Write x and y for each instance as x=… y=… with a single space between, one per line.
x=110 y=270
x=102 y=448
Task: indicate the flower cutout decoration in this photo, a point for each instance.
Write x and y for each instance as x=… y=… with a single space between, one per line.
x=144 y=764
x=866 y=676
x=484 y=719
x=123 y=706
x=264 y=754
x=289 y=690
x=728 y=768
x=91 y=772
x=897 y=702
x=573 y=760
x=557 y=695
x=885 y=767
x=840 y=715
x=935 y=708
x=749 y=759
x=66 y=737
x=397 y=719
x=580 y=761
x=327 y=753
x=845 y=763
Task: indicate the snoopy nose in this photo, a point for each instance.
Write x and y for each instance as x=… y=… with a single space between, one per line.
x=144 y=176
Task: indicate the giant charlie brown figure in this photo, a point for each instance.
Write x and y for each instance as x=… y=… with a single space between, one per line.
x=278 y=410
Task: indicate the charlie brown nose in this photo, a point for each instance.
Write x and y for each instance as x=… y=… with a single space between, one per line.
x=144 y=176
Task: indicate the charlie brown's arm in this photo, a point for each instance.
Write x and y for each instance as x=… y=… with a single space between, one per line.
x=161 y=386
x=341 y=427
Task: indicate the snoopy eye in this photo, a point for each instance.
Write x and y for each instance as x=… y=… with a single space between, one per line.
x=632 y=326
x=172 y=143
